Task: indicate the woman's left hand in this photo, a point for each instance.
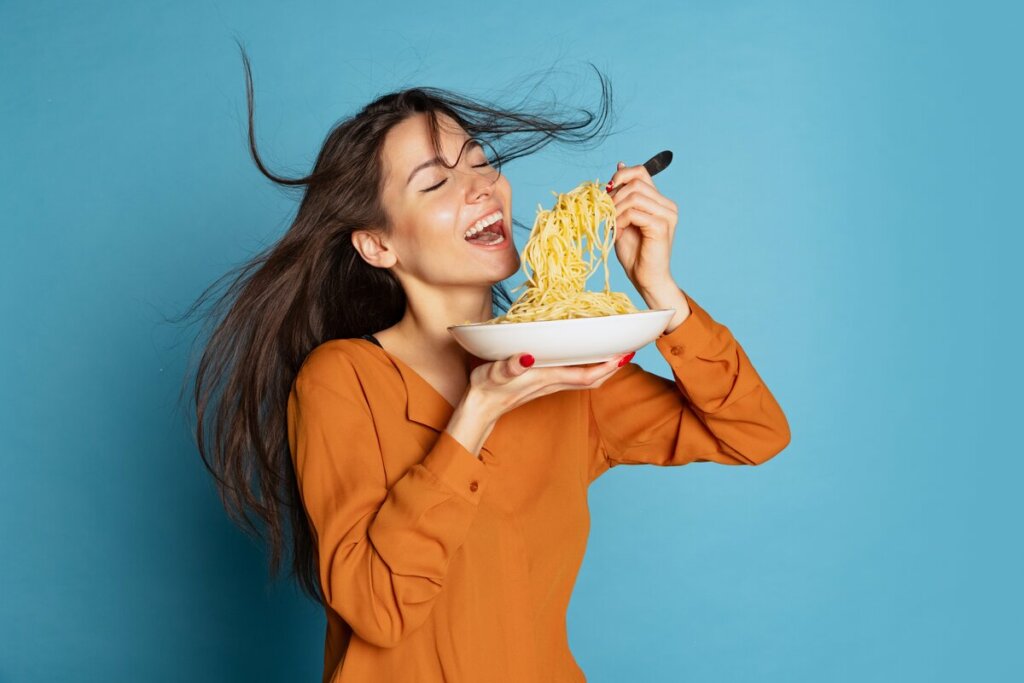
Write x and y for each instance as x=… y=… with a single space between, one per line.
x=645 y=224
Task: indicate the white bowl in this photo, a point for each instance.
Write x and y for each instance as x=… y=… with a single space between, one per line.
x=564 y=342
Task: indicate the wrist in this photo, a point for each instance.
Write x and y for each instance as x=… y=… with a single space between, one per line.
x=470 y=424
x=475 y=404
x=668 y=296
x=663 y=295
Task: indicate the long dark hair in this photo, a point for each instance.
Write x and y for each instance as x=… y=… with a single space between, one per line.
x=312 y=286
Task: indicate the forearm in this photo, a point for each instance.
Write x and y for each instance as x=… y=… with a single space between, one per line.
x=384 y=546
x=714 y=407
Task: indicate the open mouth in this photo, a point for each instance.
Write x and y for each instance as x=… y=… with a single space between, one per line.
x=490 y=235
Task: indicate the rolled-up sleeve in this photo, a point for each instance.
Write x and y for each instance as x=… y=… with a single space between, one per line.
x=383 y=552
x=715 y=408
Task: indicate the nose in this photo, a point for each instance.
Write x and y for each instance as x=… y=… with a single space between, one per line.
x=480 y=185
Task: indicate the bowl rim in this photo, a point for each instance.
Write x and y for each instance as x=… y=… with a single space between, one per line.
x=563 y=320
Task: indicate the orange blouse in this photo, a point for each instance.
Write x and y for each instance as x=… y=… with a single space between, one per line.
x=438 y=565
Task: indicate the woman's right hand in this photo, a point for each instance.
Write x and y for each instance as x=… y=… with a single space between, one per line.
x=506 y=384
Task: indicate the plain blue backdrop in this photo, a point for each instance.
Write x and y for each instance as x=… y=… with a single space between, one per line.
x=848 y=176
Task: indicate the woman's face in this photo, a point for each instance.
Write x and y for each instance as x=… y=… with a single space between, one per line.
x=431 y=208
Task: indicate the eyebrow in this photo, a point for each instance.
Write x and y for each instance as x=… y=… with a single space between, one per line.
x=436 y=161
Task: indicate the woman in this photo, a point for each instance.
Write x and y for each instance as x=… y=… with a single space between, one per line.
x=437 y=504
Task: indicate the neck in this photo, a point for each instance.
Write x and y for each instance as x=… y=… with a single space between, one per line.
x=423 y=330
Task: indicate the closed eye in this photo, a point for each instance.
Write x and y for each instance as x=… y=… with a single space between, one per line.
x=431 y=189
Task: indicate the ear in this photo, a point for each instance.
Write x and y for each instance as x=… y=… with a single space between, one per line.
x=373 y=248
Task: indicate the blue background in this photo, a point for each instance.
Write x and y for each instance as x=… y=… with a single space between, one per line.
x=845 y=173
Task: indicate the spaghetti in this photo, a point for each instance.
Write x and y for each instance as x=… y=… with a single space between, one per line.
x=561 y=264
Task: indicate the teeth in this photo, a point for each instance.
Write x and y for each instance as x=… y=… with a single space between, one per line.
x=483 y=223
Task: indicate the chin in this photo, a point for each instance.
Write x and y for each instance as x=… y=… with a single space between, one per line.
x=514 y=267
x=501 y=274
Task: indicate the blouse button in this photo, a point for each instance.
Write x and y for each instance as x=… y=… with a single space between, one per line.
x=676 y=350
x=473 y=486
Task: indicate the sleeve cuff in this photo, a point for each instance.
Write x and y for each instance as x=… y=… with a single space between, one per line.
x=686 y=341
x=457 y=468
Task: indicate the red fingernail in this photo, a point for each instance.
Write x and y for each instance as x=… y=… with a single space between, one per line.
x=628 y=357
x=526 y=360
x=608 y=187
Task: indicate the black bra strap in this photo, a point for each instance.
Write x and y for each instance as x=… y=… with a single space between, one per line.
x=370 y=337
